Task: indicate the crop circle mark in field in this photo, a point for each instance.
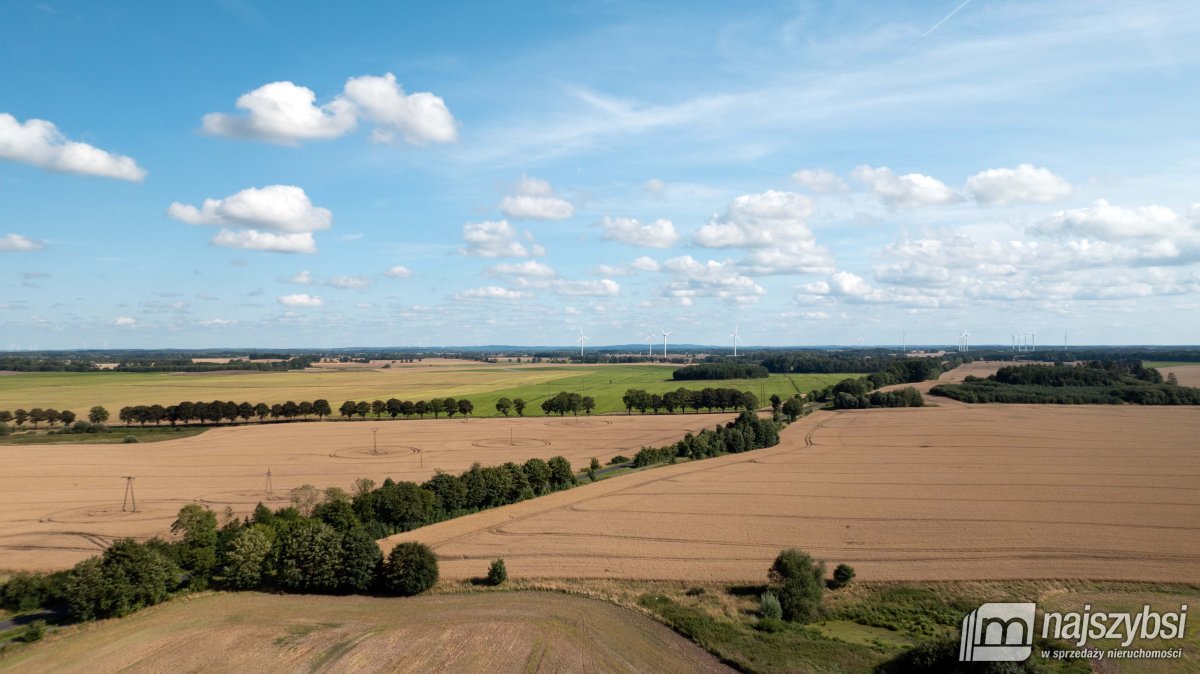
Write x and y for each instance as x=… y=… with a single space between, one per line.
x=505 y=443
x=102 y=514
x=578 y=423
x=366 y=453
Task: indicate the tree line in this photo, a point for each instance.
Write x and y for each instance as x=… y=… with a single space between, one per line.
x=394 y=408
x=724 y=370
x=860 y=392
x=564 y=401
x=743 y=434
x=218 y=411
x=681 y=399
x=1095 y=383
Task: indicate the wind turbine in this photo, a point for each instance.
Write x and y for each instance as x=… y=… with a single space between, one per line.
x=736 y=339
x=650 y=341
x=581 y=340
x=1033 y=336
x=664 y=334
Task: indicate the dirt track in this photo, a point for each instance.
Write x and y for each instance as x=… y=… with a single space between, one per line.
x=951 y=492
x=62 y=503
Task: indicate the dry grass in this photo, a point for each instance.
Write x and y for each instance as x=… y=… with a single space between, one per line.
x=941 y=493
x=527 y=631
x=1188 y=375
x=62 y=503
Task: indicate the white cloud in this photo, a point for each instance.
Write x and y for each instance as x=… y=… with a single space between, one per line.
x=529 y=268
x=252 y=239
x=491 y=293
x=657 y=234
x=535 y=200
x=911 y=190
x=349 y=282
x=709 y=279
x=284 y=208
x=303 y=278
x=398 y=272
x=601 y=288
x=40 y=143
x=19 y=243
x=124 y=322
x=495 y=238
x=820 y=181
x=654 y=186
x=1026 y=183
x=772 y=224
x=1106 y=221
x=217 y=322
x=300 y=300
x=282 y=112
x=644 y=263
x=419 y=117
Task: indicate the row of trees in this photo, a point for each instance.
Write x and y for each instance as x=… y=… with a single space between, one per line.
x=743 y=434
x=218 y=411
x=37 y=415
x=1092 y=373
x=564 y=401
x=407 y=408
x=988 y=391
x=681 y=399
x=903 y=397
x=725 y=370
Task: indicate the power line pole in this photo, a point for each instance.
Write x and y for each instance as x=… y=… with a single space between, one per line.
x=374 y=441
x=270 y=488
x=129 y=497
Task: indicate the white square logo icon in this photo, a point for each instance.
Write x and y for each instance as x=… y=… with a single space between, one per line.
x=998 y=633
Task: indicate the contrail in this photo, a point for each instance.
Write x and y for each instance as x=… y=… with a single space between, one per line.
x=946 y=18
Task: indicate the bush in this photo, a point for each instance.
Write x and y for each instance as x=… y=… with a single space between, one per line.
x=768 y=606
x=799 y=583
x=126 y=577
x=618 y=459
x=842 y=575
x=497 y=573
x=34 y=631
x=129 y=440
x=411 y=568
x=25 y=592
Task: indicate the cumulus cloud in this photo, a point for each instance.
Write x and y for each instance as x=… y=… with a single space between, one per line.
x=911 y=190
x=284 y=113
x=300 y=300
x=1026 y=183
x=694 y=278
x=495 y=238
x=398 y=272
x=530 y=268
x=772 y=225
x=349 y=282
x=40 y=143
x=600 y=288
x=124 y=322
x=16 y=243
x=216 y=322
x=286 y=209
x=1107 y=221
x=491 y=293
x=419 y=117
x=654 y=186
x=820 y=181
x=303 y=278
x=657 y=234
x=535 y=200
x=644 y=263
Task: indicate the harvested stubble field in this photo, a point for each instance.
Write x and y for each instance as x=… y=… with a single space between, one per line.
x=954 y=492
x=493 y=632
x=62 y=503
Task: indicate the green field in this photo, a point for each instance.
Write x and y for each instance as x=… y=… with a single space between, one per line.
x=483 y=384
x=116 y=434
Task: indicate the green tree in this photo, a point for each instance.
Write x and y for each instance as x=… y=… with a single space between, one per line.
x=437 y=406
x=497 y=573
x=321 y=408
x=305 y=498
x=465 y=407
x=589 y=404
x=198 y=554
x=504 y=406
x=36 y=416
x=20 y=416
x=799 y=583
x=347 y=409
x=66 y=417
x=842 y=575
x=451 y=406
x=246 y=558
x=768 y=606
x=126 y=577
x=308 y=556
x=776 y=403
x=561 y=475
x=378 y=407
x=749 y=401
x=410 y=569
x=519 y=406
x=97 y=415
x=361 y=560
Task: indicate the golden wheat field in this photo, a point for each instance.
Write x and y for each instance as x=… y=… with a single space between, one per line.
x=950 y=492
x=508 y=632
x=62 y=503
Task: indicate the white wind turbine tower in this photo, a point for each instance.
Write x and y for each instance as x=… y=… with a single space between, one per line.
x=1033 y=336
x=581 y=340
x=736 y=339
x=650 y=341
x=664 y=334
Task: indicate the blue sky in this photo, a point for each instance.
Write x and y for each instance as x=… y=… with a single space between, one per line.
x=248 y=174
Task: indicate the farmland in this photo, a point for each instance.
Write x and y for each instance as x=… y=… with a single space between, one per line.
x=533 y=632
x=483 y=383
x=941 y=493
x=62 y=503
